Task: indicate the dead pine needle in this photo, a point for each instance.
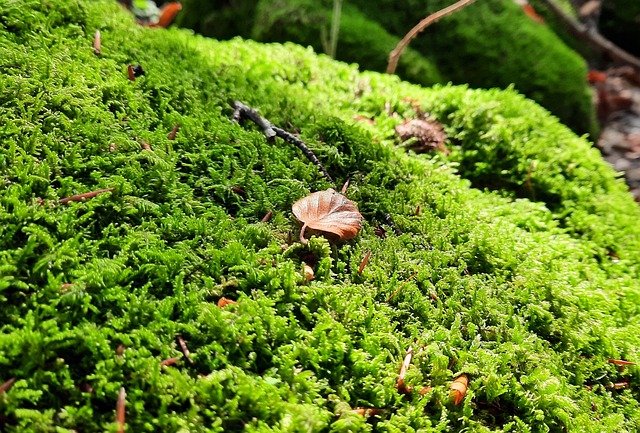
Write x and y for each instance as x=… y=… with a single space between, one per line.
x=400 y=385
x=84 y=196
x=120 y=409
x=242 y=111
x=7 y=385
x=170 y=361
x=620 y=362
x=174 y=131
x=266 y=217
x=366 y=411
x=185 y=349
x=394 y=56
x=364 y=262
x=144 y=145
x=401 y=287
x=343 y=191
x=96 y=43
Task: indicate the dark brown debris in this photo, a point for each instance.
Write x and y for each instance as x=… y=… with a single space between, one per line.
x=428 y=134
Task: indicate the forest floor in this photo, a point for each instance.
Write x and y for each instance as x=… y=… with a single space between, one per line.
x=618 y=100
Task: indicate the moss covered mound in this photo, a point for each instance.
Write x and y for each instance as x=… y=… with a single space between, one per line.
x=488 y=44
x=515 y=261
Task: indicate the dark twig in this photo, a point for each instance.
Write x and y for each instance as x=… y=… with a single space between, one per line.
x=595 y=39
x=243 y=111
x=389 y=221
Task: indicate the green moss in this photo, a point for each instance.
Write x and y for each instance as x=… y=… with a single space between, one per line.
x=520 y=269
x=494 y=44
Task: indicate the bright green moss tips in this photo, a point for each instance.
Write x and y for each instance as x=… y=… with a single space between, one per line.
x=517 y=256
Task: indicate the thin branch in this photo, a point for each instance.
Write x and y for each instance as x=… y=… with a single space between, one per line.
x=394 y=56
x=243 y=111
x=595 y=39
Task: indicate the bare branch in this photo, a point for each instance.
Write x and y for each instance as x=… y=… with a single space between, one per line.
x=394 y=56
x=595 y=39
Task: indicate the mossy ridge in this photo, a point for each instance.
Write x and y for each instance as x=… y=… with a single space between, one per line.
x=519 y=302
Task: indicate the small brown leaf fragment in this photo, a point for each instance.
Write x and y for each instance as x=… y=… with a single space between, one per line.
x=84 y=196
x=308 y=273
x=120 y=350
x=620 y=362
x=400 y=385
x=417 y=212
x=266 y=217
x=120 y=409
x=433 y=296
x=459 y=388
x=429 y=135
x=364 y=262
x=619 y=385
x=96 y=43
x=145 y=145
x=424 y=390
x=66 y=286
x=330 y=212
x=185 y=350
x=7 y=385
x=223 y=302
x=170 y=361
x=174 y=131
x=132 y=75
x=367 y=411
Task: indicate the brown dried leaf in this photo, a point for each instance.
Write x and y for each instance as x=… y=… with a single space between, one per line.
x=428 y=133
x=328 y=211
x=459 y=388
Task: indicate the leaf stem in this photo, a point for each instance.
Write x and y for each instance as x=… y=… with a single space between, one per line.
x=302 y=239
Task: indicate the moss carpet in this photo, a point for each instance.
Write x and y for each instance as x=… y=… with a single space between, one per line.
x=515 y=259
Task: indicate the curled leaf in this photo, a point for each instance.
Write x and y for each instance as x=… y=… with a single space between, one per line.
x=328 y=211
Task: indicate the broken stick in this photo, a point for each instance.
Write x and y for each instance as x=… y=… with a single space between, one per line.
x=242 y=111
